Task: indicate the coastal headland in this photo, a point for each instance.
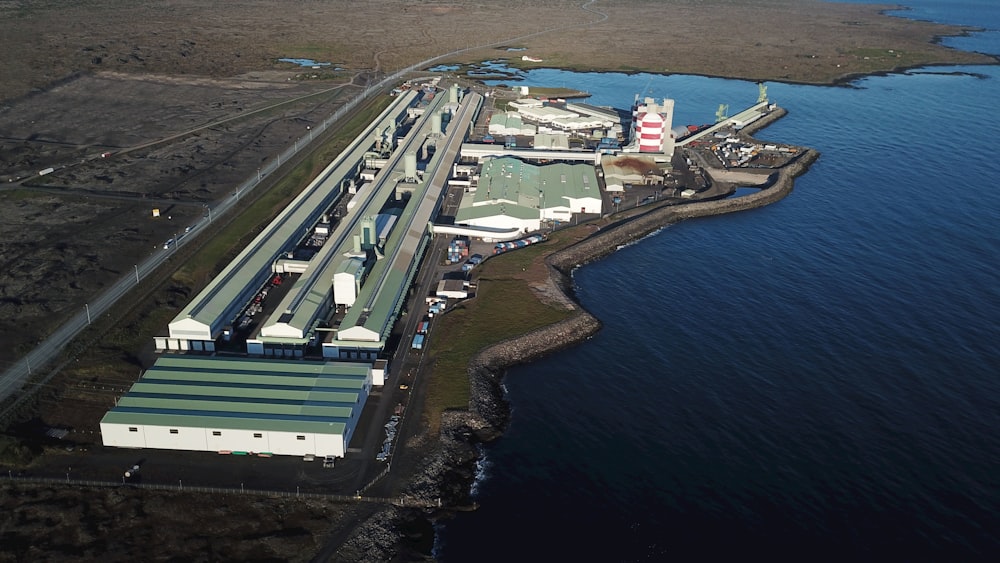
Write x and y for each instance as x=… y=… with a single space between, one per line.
x=450 y=469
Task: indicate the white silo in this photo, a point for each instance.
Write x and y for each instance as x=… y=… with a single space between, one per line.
x=410 y=167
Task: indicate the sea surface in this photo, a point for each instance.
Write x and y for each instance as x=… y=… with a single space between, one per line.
x=815 y=380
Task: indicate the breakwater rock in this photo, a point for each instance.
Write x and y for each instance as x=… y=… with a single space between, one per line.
x=449 y=471
x=487 y=403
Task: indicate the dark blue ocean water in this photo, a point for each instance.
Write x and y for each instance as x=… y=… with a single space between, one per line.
x=815 y=380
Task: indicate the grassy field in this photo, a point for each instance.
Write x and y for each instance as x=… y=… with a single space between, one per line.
x=504 y=307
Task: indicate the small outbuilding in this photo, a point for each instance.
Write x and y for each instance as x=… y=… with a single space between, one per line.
x=452 y=289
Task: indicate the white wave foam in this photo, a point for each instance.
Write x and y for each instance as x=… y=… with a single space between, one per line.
x=484 y=469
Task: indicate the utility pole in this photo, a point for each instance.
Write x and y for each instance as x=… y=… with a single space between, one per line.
x=136 y=266
x=87 y=307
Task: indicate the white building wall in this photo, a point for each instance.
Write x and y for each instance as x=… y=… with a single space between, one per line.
x=119 y=436
x=345 y=290
x=359 y=333
x=243 y=441
x=331 y=444
x=176 y=438
x=504 y=222
x=220 y=442
x=204 y=439
x=378 y=374
x=190 y=329
x=590 y=204
x=282 y=330
x=288 y=443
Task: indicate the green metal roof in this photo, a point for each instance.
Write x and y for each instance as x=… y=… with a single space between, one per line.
x=509 y=186
x=204 y=419
x=258 y=365
x=219 y=405
x=303 y=304
x=562 y=181
x=381 y=296
x=215 y=306
x=244 y=393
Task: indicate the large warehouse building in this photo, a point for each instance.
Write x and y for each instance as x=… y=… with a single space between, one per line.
x=241 y=405
x=512 y=193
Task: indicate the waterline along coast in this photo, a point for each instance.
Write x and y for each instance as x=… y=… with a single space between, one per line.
x=318 y=340
x=404 y=280
x=333 y=288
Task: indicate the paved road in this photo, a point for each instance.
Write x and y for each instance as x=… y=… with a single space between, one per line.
x=15 y=376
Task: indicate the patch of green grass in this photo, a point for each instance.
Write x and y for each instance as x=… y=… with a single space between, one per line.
x=883 y=57
x=504 y=307
x=555 y=92
x=19 y=195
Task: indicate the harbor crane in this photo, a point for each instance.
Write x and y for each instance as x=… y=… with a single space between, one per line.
x=722 y=113
x=762 y=92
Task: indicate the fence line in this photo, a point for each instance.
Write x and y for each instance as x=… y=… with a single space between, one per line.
x=376 y=478
x=180 y=487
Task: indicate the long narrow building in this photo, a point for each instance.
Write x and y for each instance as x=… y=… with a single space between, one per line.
x=379 y=263
x=291 y=325
x=367 y=324
x=202 y=321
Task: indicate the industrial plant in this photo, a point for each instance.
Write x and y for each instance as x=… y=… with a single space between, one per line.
x=278 y=354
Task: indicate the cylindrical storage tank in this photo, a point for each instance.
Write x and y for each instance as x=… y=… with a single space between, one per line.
x=650 y=132
x=410 y=165
x=436 y=123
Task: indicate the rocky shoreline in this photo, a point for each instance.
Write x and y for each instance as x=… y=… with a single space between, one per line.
x=488 y=410
x=449 y=470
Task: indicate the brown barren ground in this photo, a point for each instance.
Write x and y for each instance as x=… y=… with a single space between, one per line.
x=112 y=75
